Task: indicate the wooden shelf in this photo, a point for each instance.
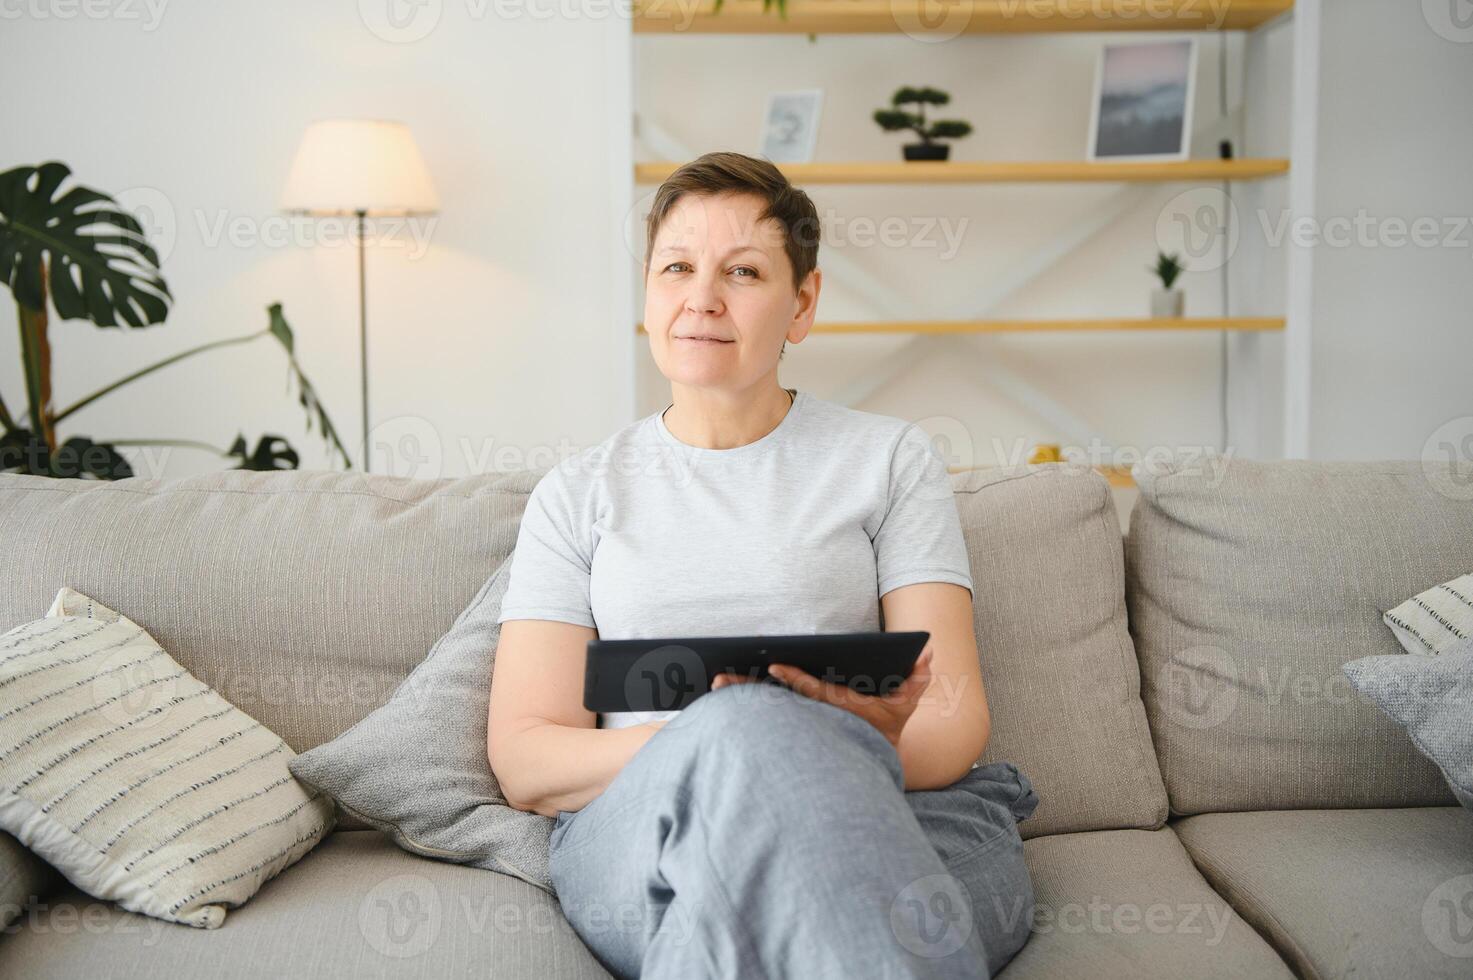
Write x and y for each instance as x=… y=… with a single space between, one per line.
x=1251 y=324
x=1002 y=171
x=956 y=17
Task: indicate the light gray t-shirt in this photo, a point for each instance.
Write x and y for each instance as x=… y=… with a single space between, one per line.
x=801 y=531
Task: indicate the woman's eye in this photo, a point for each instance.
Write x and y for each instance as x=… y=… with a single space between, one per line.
x=748 y=268
x=673 y=265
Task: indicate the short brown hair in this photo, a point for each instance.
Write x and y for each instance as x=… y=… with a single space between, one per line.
x=724 y=172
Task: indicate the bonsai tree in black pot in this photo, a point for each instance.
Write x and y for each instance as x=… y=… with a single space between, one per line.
x=897 y=118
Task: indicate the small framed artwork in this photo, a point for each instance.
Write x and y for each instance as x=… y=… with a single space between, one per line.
x=790 y=129
x=1143 y=101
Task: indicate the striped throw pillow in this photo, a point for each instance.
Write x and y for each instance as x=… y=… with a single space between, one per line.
x=1433 y=621
x=134 y=779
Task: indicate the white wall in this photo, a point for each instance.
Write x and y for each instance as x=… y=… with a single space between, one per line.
x=511 y=327
x=1392 y=343
x=501 y=332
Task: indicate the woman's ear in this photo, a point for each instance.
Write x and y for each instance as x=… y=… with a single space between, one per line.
x=807 y=306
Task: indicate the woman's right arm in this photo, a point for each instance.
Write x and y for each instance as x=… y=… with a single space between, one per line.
x=540 y=740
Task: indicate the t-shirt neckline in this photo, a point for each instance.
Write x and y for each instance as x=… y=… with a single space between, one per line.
x=757 y=446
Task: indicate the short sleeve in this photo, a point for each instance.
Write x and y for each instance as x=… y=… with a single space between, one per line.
x=920 y=537
x=551 y=566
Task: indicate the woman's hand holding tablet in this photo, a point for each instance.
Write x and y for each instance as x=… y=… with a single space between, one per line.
x=888 y=712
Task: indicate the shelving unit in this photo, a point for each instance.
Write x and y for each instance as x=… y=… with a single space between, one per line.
x=1003 y=171
x=915 y=19
x=981 y=16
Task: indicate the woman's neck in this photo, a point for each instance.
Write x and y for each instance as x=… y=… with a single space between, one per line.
x=700 y=419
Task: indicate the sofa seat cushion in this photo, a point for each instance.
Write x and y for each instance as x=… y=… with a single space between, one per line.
x=23 y=878
x=1129 y=904
x=356 y=906
x=1380 y=893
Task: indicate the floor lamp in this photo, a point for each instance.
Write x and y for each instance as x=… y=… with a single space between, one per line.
x=359 y=168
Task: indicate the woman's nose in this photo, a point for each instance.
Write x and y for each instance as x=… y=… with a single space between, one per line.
x=704 y=297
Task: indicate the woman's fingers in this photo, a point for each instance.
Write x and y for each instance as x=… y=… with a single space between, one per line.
x=723 y=679
x=906 y=691
x=799 y=680
x=920 y=678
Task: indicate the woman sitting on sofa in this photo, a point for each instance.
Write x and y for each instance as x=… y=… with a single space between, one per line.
x=792 y=829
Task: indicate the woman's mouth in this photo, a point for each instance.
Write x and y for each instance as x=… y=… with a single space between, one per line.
x=705 y=341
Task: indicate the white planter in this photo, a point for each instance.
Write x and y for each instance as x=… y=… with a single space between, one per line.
x=1168 y=303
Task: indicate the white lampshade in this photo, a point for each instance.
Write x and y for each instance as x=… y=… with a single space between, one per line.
x=344 y=166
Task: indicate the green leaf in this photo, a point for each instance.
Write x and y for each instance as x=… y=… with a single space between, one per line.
x=893 y=119
x=1168 y=268
x=307 y=396
x=948 y=129
x=271 y=453
x=22 y=451
x=280 y=329
x=80 y=457
x=101 y=266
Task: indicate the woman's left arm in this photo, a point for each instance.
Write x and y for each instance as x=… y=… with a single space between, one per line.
x=951 y=724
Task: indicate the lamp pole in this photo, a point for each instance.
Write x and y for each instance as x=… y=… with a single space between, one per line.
x=359 y=167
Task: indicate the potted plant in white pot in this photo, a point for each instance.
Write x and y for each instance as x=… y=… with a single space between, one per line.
x=897 y=118
x=1166 y=301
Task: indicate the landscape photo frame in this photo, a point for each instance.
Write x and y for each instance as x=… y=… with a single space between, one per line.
x=1143 y=94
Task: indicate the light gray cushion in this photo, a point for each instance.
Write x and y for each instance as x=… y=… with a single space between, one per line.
x=357 y=907
x=1057 y=661
x=1341 y=893
x=304 y=597
x=1431 y=696
x=1129 y=905
x=1249 y=587
x=416 y=768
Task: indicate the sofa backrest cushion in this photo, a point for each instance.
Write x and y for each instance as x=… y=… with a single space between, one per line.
x=1249 y=586
x=303 y=597
x=1061 y=675
x=325 y=589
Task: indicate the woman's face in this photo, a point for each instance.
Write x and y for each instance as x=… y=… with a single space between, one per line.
x=716 y=272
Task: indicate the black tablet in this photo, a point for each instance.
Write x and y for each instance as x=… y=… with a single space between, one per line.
x=668 y=674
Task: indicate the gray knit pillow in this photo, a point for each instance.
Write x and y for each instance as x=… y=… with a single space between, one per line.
x=416 y=767
x=1431 y=696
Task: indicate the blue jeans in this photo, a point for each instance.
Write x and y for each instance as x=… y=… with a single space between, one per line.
x=762 y=833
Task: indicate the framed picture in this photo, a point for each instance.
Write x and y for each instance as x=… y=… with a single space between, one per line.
x=790 y=129
x=1143 y=101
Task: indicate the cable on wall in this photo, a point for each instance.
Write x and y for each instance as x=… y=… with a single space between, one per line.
x=1225 y=150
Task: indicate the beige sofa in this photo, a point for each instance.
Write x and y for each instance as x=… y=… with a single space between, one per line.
x=1215 y=799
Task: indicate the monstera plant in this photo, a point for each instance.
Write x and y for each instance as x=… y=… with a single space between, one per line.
x=77 y=253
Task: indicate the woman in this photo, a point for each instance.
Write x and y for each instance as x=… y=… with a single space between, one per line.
x=792 y=829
